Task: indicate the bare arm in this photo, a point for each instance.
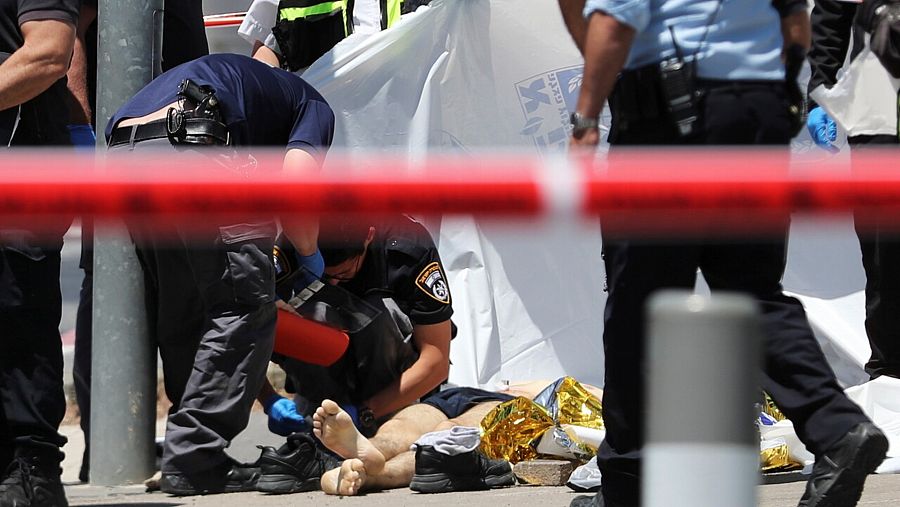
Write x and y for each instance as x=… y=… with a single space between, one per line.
x=432 y=368
x=606 y=49
x=574 y=19
x=79 y=100
x=796 y=29
x=302 y=231
x=264 y=54
x=41 y=61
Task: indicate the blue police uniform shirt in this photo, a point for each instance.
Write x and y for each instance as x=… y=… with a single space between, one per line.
x=731 y=39
x=261 y=105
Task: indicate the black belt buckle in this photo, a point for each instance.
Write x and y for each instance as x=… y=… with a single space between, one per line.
x=175 y=125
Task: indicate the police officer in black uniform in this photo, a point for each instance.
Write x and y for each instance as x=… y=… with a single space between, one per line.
x=36 y=40
x=393 y=266
x=210 y=290
x=388 y=274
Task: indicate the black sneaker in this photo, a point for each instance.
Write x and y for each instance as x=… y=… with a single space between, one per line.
x=296 y=466
x=441 y=473
x=231 y=477
x=29 y=484
x=839 y=475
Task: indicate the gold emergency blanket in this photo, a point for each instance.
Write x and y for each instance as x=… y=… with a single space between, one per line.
x=777 y=458
x=771 y=409
x=512 y=430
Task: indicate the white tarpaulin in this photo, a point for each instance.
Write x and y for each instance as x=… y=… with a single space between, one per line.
x=528 y=297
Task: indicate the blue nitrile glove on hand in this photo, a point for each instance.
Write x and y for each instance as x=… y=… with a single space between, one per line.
x=311 y=269
x=283 y=417
x=82 y=136
x=822 y=128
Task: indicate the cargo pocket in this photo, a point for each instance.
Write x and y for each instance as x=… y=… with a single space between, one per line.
x=303 y=40
x=250 y=271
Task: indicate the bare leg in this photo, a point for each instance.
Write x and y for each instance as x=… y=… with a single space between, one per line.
x=395 y=436
x=335 y=429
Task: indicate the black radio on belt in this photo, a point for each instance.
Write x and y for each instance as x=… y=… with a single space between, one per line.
x=676 y=79
x=199 y=120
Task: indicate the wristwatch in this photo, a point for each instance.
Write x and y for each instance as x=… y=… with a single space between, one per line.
x=580 y=123
x=366 y=417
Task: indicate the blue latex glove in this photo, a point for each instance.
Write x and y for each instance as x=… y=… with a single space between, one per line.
x=311 y=269
x=822 y=128
x=82 y=137
x=283 y=416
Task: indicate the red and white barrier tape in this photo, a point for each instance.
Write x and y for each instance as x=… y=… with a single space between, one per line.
x=645 y=191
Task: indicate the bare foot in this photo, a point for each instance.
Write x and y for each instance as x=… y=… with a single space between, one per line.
x=335 y=429
x=346 y=480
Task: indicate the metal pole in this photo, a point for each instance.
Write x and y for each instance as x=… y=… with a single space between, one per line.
x=703 y=366
x=123 y=382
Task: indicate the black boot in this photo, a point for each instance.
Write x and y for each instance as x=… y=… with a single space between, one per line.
x=29 y=482
x=296 y=466
x=442 y=473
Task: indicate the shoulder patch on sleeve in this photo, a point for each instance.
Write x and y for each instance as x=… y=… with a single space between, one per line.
x=432 y=282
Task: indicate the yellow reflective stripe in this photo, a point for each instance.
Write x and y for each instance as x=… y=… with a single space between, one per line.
x=393 y=11
x=292 y=13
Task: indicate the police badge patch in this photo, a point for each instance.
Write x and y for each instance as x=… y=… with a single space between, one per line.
x=431 y=281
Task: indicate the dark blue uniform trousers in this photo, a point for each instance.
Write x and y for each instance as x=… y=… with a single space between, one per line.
x=210 y=305
x=32 y=403
x=795 y=372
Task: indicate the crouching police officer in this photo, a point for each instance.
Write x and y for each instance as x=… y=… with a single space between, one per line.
x=709 y=73
x=384 y=279
x=210 y=290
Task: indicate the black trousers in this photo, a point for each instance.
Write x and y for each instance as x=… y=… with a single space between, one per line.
x=795 y=371
x=32 y=403
x=210 y=306
x=880 y=248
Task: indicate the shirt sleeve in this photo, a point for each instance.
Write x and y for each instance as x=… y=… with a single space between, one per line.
x=634 y=13
x=62 y=10
x=313 y=128
x=259 y=20
x=429 y=292
x=831 y=22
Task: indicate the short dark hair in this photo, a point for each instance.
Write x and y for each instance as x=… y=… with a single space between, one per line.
x=342 y=237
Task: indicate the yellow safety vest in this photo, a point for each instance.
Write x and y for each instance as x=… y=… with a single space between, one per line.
x=307 y=29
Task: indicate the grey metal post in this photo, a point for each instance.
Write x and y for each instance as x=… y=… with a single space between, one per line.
x=703 y=364
x=123 y=383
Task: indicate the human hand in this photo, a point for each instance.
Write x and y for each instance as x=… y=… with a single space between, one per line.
x=283 y=416
x=822 y=129
x=282 y=305
x=587 y=139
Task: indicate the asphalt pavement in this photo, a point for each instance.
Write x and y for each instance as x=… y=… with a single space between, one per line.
x=881 y=490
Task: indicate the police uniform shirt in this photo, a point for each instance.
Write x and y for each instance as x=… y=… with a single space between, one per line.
x=13 y=13
x=402 y=263
x=730 y=39
x=260 y=105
